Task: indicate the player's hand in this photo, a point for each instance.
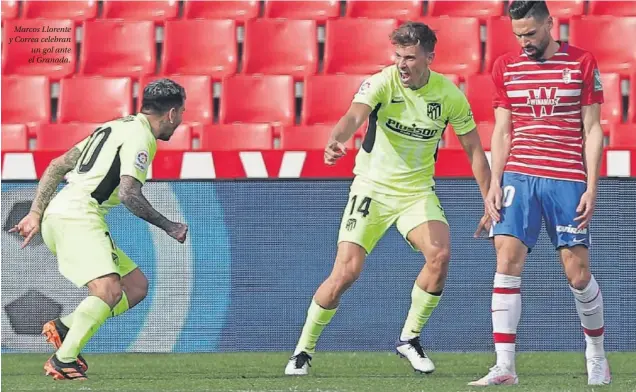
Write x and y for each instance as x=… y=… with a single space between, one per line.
x=178 y=231
x=28 y=227
x=483 y=228
x=493 y=202
x=585 y=209
x=334 y=151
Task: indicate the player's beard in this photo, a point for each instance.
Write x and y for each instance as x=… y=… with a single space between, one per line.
x=538 y=51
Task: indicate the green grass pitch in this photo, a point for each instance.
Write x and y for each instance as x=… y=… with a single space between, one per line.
x=331 y=371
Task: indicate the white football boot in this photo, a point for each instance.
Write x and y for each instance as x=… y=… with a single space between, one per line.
x=298 y=364
x=598 y=371
x=412 y=350
x=497 y=375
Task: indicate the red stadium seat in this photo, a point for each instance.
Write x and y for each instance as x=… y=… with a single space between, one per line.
x=181 y=140
x=473 y=9
x=61 y=137
x=312 y=10
x=631 y=115
x=623 y=135
x=75 y=10
x=157 y=11
x=321 y=105
x=453 y=33
x=236 y=10
x=14 y=137
x=612 y=108
x=9 y=10
x=199 y=97
x=16 y=55
x=614 y=8
x=611 y=45
x=281 y=47
x=564 y=9
x=257 y=99
x=484 y=129
x=26 y=100
x=308 y=137
x=237 y=137
x=384 y=9
x=118 y=48
x=370 y=34
x=500 y=39
x=200 y=47
x=94 y=99
x=479 y=92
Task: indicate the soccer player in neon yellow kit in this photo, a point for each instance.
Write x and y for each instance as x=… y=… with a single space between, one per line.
x=105 y=168
x=408 y=107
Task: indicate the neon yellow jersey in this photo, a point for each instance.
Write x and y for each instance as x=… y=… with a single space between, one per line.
x=400 y=147
x=121 y=147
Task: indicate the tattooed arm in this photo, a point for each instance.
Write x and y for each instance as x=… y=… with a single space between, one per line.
x=53 y=175
x=131 y=196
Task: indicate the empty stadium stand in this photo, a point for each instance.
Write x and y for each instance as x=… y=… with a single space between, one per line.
x=26 y=100
x=229 y=137
x=77 y=11
x=61 y=137
x=384 y=9
x=236 y=10
x=310 y=10
x=305 y=137
x=127 y=46
x=327 y=97
x=622 y=135
x=14 y=137
x=478 y=9
x=280 y=47
x=79 y=102
x=156 y=11
x=257 y=99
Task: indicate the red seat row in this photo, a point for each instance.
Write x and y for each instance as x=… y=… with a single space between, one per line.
x=244 y=98
x=316 y=10
x=244 y=136
x=279 y=46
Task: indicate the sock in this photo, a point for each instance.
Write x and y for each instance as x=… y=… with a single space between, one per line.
x=589 y=306
x=422 y=305
x=121 y=307
x=317 y=319
x=89 y=315
x=506 y=312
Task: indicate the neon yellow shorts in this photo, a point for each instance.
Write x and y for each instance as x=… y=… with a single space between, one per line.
x=84 y=249
x=369 y=214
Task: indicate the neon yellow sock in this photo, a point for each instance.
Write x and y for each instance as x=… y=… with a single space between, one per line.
x=317 y=319
x=89 y=315
x=121 y=307
x=422 y=305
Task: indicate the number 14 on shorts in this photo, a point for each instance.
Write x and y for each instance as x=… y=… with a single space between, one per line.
x=362 y=209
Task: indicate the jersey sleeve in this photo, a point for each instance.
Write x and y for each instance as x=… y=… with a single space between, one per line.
x=592 y=91
x=135 y=155
x=372 y=90
x=460 y=116
x=500 y=95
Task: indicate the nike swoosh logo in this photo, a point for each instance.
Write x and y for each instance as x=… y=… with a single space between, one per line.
x=589 y=314
x=577 y=241
x=498 y=310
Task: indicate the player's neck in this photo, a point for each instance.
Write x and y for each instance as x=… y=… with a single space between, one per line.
x=552 y=49
x=423 y=82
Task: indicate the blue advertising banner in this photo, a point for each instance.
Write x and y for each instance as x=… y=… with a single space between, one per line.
x=257 y=250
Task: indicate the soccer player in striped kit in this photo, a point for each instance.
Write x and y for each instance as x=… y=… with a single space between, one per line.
x=546 y=154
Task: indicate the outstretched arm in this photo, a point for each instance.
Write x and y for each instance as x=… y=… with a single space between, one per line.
x=131 y=196
x=29 y=226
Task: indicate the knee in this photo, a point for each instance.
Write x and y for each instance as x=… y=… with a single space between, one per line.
x=509 y=263
x=108 y=289
x=342 y=278
x=437 y=260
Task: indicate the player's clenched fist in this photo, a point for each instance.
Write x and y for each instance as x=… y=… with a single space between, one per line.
x=334 y=151
x=27 y=227
x=178 y=231
x=493 y=202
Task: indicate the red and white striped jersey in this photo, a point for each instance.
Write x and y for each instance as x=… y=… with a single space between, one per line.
x=545 y=98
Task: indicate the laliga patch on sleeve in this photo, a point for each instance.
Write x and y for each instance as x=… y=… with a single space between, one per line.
x=364 y=87
x=141 y=161
x=598 y=85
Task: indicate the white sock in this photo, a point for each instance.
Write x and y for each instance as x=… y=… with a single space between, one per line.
x=589 y=306
x=506 y=312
